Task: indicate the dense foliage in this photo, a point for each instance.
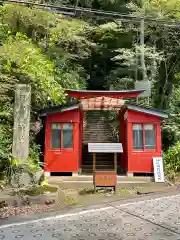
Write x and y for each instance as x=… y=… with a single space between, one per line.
x=52 y=52
x=34 y=49
x=172 y=161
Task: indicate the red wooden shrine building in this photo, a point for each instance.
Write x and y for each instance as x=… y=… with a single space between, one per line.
x=69 y=128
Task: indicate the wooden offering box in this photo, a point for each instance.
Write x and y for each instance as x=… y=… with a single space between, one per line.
x=106 y=178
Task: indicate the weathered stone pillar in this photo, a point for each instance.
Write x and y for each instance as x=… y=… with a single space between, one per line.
x=20 y=148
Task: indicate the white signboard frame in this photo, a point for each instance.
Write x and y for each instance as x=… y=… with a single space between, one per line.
x=158 y=169
x=105 y=147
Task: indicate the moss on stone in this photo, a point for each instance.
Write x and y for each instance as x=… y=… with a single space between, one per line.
x=38 y=190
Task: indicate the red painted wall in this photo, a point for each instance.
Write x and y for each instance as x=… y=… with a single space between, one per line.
x=70 y=160
x=123 y=140
x=141 y=160
x=62 y=160
x=81 y=137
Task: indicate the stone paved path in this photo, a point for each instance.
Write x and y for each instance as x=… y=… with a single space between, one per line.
x=155 y=219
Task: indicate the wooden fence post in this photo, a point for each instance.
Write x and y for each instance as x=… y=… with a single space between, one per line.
x=20 y=148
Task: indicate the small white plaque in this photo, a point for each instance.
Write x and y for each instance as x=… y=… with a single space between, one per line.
x=158 y=169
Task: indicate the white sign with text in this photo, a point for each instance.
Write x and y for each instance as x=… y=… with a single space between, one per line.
x=158 y=169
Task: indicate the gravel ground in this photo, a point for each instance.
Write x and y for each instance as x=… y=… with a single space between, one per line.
x=13 y=211
x=73 y=199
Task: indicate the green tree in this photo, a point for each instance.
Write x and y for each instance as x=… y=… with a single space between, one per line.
x=108 y=38
x=53 y=52
x=35 y=50
x=25 y=62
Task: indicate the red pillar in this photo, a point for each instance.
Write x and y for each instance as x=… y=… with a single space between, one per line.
x=123 y=139
x=129 y=145
x=159 y=138
x=81 y=138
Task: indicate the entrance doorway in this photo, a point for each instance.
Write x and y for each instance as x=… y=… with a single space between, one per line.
x=99 y=127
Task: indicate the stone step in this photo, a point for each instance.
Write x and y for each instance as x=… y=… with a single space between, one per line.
x=87 y=178
x=88 y=155
x=97 y=165
x=90 y=163
x=87 y=182
x=96 y=127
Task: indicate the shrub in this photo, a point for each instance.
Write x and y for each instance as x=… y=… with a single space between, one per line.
x=5 y=145
x=18 y=173
x=172 y=161
x=34 y=158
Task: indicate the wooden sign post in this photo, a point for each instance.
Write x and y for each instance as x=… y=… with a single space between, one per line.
x=107 y=178
x=20 y=148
